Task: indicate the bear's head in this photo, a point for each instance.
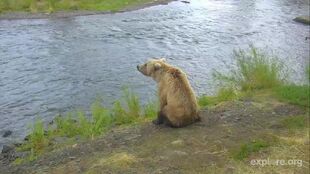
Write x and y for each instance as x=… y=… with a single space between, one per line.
x=152 y=67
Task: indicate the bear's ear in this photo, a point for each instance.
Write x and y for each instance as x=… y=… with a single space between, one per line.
x=157 y=66
x=163 y=59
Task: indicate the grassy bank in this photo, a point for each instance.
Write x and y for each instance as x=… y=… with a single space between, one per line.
x=259 y=77
x=257 y=73
x=82 y=126
x=50 y=6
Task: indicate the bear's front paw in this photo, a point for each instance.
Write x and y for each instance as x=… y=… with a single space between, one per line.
x=156 y=122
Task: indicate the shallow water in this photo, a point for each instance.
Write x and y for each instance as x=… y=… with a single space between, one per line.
x=48 y=66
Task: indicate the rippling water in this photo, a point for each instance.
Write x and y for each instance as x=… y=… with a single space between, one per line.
x=49 y=66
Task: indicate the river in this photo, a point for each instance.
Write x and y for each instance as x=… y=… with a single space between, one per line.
x=49 y=66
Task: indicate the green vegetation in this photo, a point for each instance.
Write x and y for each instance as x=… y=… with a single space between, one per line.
x=298 y=95
x=249 y=148
x=295 y=122
x=308 y=73
x=63 y=5
x=255 y=70
x=224 y=94
x=97 y=123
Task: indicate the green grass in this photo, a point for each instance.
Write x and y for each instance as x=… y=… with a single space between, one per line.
x=254 y=70
x=298 y=95
x=295 y=122
x=38 y=140
x=77 y=123
x=249 y=148
x=63 y=5
x=224 y=94
x=150 y=110
x=308 y=73
x=257 y=71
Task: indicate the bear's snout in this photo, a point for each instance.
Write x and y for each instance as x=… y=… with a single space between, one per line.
x=142 y=69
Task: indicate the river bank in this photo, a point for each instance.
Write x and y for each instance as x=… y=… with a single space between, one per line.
x=71 y=13
x=228 y=139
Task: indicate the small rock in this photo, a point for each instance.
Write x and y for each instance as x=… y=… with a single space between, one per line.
x=185 y=2
x=180 y=152
x=21 y=154
x=7 y=149
x=276 y=126
x=18 y=144
x=303 y=19
x=238 y=118
x=78 y=138
x=227 y=114
x=229 y=170
x=7 y=133
x=45 y=132
x=227 y=136
x=177 y=142
x=27 y=138
x=72 y=157
x=74 y=145
x=59 y=140
x=51 y=122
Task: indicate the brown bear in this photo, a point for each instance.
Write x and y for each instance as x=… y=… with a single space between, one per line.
x=178 y=104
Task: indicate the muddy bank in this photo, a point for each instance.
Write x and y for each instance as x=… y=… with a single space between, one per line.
x=202 y=147
x=66 y=14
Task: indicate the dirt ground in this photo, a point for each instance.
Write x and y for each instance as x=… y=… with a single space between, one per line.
x=204 y=147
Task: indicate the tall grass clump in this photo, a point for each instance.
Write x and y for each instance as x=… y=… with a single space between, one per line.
x=125 y=111
x=133 y=103
x=101 y=118
x=66 y=125
x=94 y=125
x=150 y=110
x=38 y=141
x=51 y=6
x=33 y=6
x=254 y=70
x=129 y=109
x=38 y=138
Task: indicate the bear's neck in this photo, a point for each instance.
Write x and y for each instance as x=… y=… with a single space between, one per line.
x=158 y=75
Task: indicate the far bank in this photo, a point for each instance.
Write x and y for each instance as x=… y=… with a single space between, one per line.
x=67 y=8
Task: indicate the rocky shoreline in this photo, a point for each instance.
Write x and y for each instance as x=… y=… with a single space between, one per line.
x=66 y=14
